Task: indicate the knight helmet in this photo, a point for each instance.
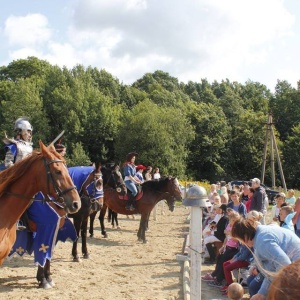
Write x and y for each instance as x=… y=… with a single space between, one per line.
x=24 y=128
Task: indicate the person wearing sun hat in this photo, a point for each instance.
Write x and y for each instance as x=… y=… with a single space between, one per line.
x=131 y=180
x=139 y=172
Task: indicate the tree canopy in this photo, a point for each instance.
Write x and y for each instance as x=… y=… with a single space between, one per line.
x=196 y=130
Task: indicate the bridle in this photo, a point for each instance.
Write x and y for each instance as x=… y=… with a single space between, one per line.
x=117 y=184
x=93 y=197
x=60 y=194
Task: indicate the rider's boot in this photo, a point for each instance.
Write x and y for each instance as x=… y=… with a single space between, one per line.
x=129 y=202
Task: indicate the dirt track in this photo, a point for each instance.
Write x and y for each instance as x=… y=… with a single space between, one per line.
x=119 y=267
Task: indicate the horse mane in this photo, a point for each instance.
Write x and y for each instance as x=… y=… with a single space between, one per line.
x=157 y=184
x=13 y=173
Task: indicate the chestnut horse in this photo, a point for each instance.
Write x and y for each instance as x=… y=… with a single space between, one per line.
x=42 y=171
x=153 y=191
x=112 y=179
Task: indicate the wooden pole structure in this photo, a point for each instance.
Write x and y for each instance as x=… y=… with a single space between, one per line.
x=273 y=146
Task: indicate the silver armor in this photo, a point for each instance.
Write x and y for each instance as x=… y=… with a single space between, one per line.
x=23 y=149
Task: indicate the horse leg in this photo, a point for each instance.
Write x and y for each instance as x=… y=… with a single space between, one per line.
x=142 y=229
x=101 y=219
x=117 y=221
x=109 y=217
x=83 y=238
x=47 y=273
x=77 y=224
x=40 y=276
x=92 y=219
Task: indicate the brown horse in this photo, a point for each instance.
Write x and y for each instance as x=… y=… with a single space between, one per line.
x=167 y=188
x=21 y=182
x=286 y=283
x=112 y=179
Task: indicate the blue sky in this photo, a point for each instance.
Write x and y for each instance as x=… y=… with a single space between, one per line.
x=240 y=40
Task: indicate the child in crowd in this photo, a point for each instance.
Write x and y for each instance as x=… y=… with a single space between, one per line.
x=286 y=215
x=280 y=199
x=291 y=199
x=235 y=291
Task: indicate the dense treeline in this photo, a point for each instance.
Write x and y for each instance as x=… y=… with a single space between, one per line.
x=200 y=130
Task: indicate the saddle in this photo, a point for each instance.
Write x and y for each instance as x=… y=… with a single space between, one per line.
x=137 y=197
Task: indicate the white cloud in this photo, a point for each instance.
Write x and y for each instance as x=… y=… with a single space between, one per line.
x=194 y=39
x=27 y=31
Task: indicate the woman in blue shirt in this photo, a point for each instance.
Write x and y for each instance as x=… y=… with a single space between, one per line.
x=274 y=248
x=131 y=180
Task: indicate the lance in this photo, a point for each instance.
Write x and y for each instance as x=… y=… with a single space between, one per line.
x=57 y=138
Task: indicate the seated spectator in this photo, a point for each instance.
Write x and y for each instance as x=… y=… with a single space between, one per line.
x=236 y=205
x=255 y=280
x=227 y=251
x=235 y=291
x=290 y=199
x=286 y=215
x=218 y=235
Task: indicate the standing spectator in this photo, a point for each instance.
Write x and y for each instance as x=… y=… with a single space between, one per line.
x=274 y=247
x=211 y=195
x=148 y=174
x=245 y=193
x=236 y=205
x=139 y=172
x=156 y=175
x=224 y=195
x=257 y=202
x=291 y=199
x=250 y=197
x=61 y=149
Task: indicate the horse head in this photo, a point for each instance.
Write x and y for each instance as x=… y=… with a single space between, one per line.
x=112 y=177
x=59 y=184
x=92 y=189
x=173 y=192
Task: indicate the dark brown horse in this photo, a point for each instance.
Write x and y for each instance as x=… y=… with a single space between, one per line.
x=89 y=185
x=112 y=179
x=167 y=188
x=42 y=171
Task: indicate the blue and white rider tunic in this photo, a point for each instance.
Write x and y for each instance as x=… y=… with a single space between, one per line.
x=139 y=175
x=130 y=173
x=16 y=150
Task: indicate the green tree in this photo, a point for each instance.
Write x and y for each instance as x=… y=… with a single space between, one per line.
x=159 y=135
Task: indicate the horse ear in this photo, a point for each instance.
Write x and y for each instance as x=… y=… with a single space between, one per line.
x=97 y=166
x=43 y=147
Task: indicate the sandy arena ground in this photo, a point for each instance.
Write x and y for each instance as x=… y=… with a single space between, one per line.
x=119 y=268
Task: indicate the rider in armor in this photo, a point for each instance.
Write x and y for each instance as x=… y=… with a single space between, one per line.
x=131 y=180
x=18 y=148
x=21 y=146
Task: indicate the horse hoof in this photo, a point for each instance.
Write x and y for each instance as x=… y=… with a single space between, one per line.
x=51 y=282
x=76 y=259
x=45 y=285
x=118 y=227
x=140 y=240
x=105 y=235
x=91 y=235
x=86 y=256
x=145 y=241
